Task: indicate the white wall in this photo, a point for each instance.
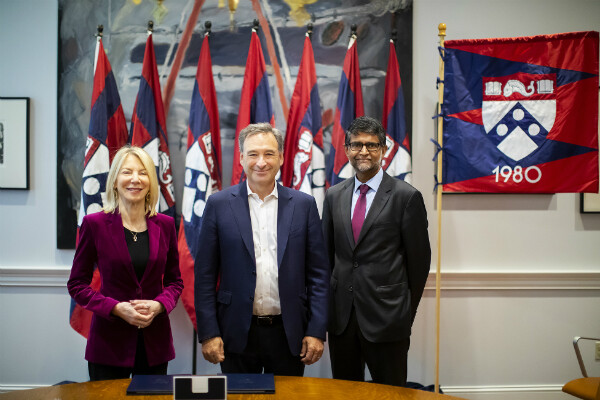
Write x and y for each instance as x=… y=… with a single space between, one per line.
x=521 y=272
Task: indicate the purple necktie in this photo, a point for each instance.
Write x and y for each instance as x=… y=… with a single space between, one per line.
x=359 y=211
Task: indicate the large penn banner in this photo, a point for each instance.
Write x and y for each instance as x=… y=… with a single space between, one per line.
x=521 y=114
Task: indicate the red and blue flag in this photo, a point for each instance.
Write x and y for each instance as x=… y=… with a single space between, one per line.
x=149 y=129
x=202 y=171
x=349 y=107
x=521 y=114
x=255 y=103
x=106 y=134
x=397 y=159
x=304 y=166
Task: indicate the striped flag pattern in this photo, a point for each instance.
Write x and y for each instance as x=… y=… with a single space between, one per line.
x=304 y=166
x=149 y=130
x=255 y=103
x=397 y=159
x=349 y=107
x=202 y=171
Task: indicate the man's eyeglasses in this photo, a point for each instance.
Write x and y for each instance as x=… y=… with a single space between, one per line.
x=358 y=146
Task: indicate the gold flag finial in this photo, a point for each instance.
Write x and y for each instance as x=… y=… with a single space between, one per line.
x=233 y=4
x=442 y=29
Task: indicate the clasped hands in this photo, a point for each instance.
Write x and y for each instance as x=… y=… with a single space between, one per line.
x=139 y=313
x=312 y=350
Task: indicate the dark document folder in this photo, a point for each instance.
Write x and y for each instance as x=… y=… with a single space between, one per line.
x=250 y=383
x=151 y=384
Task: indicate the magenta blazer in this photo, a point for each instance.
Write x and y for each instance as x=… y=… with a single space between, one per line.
x=112 y=341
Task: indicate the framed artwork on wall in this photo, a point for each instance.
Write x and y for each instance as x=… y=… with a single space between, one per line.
x=124 y=38
x=14 y=143
x=589 y=203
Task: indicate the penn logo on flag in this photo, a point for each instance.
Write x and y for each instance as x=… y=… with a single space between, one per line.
x=198 y=183
x=165 y=177
x=518 y=111
x=302 y=157
x=93 y=182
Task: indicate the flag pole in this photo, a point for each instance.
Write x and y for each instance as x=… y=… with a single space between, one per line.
x=438 y=272
x=99 y=34
x=273 y=57
x=207 y=32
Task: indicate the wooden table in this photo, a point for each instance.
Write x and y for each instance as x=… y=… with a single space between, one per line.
x=286 y=388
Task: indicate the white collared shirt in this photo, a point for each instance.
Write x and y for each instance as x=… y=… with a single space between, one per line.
x=373 y=184
x=263 y=216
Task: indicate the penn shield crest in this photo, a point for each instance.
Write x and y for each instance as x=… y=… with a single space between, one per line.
x=518 y=111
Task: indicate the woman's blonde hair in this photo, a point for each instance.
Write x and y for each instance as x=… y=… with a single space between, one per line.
x=112 y=196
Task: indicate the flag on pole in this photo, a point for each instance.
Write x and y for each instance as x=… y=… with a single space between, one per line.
x=202 y=171
x=521 y=114
x=349 y=107
x=304 y=166
x=149 y=129
x=106 y=134
x=397 y=159
x=255 y=103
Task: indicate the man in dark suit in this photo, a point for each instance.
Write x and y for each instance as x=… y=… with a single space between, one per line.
x=261 y=276
x=375 y=228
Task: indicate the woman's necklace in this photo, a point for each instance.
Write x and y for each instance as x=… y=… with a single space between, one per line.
x=134 y=234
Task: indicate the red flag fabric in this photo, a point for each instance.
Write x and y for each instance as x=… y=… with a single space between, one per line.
x=202 y=171
x=521 y=114
x=304 y=166
x=149 y=129
x=255 y=103
x=349 y=107
x=106 y=134
x=397 y=159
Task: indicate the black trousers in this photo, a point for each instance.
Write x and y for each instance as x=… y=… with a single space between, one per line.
x=350 y=351
x=267 y=351
x=100 y=372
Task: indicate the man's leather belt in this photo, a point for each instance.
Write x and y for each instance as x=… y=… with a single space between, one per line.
x=267 y=320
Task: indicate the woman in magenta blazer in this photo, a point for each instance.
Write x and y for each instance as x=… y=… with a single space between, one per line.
x=135 y=251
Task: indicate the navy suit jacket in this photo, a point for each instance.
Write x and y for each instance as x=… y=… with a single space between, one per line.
x=225 y=268
x=112 y=341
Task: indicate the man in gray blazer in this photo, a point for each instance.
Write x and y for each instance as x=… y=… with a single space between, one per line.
x=375 y=228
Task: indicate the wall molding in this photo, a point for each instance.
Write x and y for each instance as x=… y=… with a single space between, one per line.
x=12 y=388
x=516 y=281
x=501 y=389
x=58 y=276
x=35 y=276
x=508 y=392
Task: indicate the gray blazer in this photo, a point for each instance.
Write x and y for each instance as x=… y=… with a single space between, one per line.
x=384 y=273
